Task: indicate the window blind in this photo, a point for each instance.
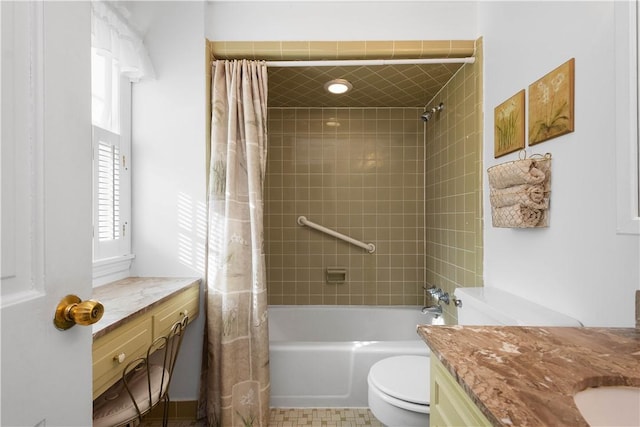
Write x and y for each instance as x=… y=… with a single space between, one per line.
x=109 y=227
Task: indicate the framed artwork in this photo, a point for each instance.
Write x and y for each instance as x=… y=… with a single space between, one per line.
x=551 y=101
x=509 y=125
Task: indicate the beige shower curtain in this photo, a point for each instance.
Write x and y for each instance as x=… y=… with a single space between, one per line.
x=237 y=376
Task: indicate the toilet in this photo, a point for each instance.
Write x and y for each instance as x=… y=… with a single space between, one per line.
x=398 y=394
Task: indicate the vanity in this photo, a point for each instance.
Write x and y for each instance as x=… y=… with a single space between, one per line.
x=524 y=376
x=137 y=310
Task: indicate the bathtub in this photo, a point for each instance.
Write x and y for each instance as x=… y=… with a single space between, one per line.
x=320 y=355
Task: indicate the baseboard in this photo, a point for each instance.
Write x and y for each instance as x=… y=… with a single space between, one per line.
x=178 y=410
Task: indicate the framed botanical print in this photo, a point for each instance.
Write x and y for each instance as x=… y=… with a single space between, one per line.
x=509 y=125
x=551 y=104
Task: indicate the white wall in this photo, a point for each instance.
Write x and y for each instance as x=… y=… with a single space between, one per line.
x=168 y=142
x=346 y=20
x=579 y=265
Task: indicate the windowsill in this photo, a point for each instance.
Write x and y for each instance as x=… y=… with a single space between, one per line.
x=111 y=269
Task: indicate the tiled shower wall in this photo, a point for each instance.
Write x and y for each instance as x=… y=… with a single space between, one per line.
x=354 y=170
x=454 y=254
x=365 y=179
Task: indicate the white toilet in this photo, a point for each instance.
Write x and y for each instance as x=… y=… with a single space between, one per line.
x=399 y=390
x=399 y=386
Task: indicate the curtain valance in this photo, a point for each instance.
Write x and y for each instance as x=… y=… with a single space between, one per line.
x=112 y=33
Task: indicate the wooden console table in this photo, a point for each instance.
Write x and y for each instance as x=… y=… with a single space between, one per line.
x=137 y=310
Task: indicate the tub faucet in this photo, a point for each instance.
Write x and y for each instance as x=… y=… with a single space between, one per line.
x=438 y=294
x=434 y=292
x=444 y=297
x=436 y=309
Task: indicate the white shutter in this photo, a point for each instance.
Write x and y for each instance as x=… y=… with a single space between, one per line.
x=111 y=210
x=108 y=191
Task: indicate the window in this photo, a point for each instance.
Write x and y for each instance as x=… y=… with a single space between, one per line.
x=118 y=58
x=110 y=111
x=627 y=17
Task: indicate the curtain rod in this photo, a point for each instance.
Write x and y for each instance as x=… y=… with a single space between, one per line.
x=362 y=62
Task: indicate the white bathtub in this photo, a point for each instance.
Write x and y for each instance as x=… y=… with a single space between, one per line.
x=320 y=355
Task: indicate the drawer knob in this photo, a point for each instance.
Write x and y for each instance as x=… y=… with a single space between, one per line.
x=120 y=357
x=184 y=313
x=72 y=310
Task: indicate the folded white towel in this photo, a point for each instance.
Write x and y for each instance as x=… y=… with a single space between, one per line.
x=515 y=173
x=532 y=196
x=516 y=216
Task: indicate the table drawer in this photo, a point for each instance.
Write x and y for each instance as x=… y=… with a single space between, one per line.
x=185 y=303
x=132 y=337
x=113 y=351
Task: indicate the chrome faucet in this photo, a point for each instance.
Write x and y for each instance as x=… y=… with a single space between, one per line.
x=444 y=298
x=434 y=292
x=438 y=294
x=436 y=309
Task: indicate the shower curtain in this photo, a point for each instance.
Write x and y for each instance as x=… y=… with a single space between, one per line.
x=237 y=350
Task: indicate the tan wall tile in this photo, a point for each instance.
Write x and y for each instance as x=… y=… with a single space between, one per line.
x=366 y=179
x=346 y=196
x=282 y=50
x=453 y=193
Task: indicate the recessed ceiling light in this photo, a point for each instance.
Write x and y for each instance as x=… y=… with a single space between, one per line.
x=338 y=86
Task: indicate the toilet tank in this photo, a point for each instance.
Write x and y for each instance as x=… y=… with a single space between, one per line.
x=491 y=306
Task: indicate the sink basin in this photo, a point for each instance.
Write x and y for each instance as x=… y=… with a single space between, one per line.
x=609 y=406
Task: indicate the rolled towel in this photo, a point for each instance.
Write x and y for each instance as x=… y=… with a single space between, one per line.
x=525 y=194
x=516 y=216
x=515 y=173
x=545 y=166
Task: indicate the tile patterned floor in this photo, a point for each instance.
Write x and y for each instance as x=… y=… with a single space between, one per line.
x=322 y=417
x=179 y=423
x=314 y=417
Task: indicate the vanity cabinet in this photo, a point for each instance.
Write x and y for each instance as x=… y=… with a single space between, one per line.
x=142 y=310
x=450 y=405
x=112 y=352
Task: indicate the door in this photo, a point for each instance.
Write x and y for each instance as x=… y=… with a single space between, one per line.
x=46 y=211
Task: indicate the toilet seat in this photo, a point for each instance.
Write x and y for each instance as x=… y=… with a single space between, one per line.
x=402 y=381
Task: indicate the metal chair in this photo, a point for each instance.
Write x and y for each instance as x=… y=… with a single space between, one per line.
x=144 y=384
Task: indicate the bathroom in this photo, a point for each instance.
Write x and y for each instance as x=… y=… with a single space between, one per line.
x=545 y=266
x=580 y=265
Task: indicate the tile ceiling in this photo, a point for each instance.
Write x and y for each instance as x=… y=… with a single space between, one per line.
x=373 y=86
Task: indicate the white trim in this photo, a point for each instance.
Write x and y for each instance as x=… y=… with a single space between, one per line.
x=627 y=144
x=111 y=269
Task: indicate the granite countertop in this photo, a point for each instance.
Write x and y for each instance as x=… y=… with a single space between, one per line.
x=527 y=376
x=126 y=298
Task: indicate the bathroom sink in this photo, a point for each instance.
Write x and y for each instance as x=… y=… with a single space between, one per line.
x=609 y=406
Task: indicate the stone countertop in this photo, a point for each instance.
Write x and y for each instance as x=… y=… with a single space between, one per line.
x=527 y=376
x=127 y=298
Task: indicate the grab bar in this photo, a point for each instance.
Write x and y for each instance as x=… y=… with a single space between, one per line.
x=302 y=220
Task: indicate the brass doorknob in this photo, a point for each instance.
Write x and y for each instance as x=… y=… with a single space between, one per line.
x=72 y=310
